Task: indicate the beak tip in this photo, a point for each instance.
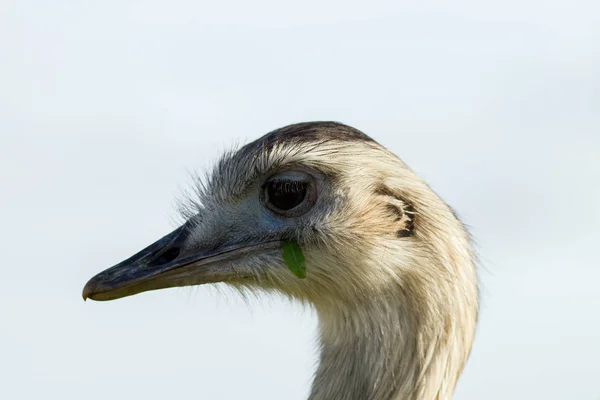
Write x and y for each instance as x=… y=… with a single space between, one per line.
x=88 y=290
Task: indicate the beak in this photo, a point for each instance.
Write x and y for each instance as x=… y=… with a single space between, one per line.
x=167 y=263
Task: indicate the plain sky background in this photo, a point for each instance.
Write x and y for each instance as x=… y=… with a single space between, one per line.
x=105 y=108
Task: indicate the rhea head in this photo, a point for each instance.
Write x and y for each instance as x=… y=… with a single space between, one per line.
x=389 y=268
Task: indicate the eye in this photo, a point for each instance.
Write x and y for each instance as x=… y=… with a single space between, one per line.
x=289 y=193
x=285 y=195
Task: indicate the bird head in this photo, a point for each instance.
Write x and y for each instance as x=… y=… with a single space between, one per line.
x=389 y=267
x=362 y=219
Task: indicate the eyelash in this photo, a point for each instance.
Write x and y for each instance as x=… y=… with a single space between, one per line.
x=287 y=186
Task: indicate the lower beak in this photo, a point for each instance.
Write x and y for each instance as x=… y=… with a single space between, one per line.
x=166 y=263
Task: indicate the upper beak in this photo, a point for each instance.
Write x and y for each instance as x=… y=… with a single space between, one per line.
x=167 y=263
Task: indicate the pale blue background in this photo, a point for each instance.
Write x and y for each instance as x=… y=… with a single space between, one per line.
x=106 y=106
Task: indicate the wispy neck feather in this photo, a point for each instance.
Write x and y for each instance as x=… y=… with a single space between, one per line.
x=384 y=350
x=363 y=357
x=410 y=337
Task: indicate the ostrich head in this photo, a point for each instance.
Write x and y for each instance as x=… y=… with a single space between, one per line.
x=389 y=268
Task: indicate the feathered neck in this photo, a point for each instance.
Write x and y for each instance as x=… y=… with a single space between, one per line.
x=407 y=342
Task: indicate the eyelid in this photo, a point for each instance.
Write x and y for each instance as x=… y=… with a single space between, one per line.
x=290 y=176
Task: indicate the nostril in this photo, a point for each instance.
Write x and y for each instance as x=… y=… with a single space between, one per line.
x=167 y=256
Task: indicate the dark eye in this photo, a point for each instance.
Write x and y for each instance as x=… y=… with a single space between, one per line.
x=285 y=195
x=289 y=193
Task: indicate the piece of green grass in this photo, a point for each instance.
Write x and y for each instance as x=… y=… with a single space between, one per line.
x=294 y=258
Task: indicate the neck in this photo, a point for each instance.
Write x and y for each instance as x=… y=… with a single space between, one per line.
x=400 y=325
x=390 y=349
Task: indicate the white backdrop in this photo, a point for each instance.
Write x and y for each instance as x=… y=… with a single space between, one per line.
x=106 y=107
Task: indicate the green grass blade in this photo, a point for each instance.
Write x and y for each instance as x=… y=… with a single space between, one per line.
x=294 y=258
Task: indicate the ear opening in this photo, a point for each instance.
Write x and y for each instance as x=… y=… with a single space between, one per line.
x=401 y=211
